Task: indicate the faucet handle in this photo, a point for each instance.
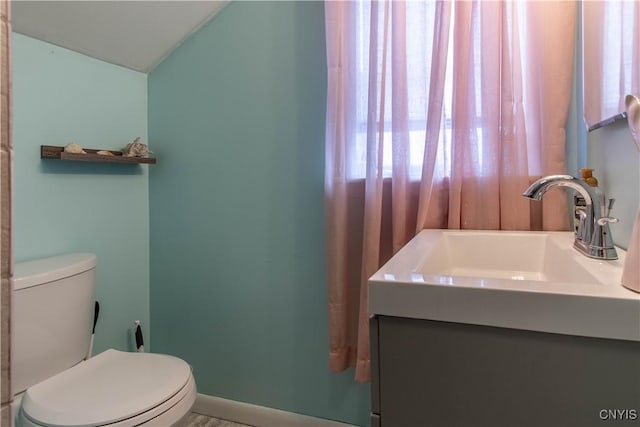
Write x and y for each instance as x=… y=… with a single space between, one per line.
x=607 y=220
x=609 y=206
x=602 y=241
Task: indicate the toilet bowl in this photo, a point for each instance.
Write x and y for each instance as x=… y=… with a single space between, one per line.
x=55 y=386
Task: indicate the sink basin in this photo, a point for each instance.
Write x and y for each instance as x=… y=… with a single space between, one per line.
x=522 y=280
x=503 y=255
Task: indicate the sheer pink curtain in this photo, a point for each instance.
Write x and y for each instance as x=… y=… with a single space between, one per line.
x=439 y=115
x=610 y=31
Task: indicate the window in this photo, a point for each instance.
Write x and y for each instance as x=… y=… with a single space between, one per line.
x=420 y=18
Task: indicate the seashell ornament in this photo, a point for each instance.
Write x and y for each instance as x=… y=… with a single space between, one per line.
x=74 y=148
x=136 y=149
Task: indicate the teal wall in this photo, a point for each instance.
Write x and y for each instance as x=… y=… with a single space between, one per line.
x=576 y=129
x=612 y=152
x=236 y=117
x=61 y=96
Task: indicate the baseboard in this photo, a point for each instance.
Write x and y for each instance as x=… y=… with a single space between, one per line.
x=254 y=415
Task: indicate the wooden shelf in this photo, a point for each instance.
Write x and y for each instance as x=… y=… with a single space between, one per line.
x=58 y=153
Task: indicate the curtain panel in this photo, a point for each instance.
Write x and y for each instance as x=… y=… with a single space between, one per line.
x=439 y=115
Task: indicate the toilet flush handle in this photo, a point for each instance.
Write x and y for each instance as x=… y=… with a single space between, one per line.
x=96 y=312
x=139 y=341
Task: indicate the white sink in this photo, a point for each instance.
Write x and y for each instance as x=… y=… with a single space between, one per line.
x=523 y=280
x=503 y=255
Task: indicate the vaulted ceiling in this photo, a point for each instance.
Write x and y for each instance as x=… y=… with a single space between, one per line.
x=134 y=34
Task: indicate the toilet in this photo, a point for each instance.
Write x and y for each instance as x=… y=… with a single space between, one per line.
x=54 y=383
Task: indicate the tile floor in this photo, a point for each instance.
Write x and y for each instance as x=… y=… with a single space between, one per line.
x=198 y=420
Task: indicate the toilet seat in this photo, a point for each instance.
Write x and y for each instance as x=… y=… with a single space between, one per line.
x=113 y=388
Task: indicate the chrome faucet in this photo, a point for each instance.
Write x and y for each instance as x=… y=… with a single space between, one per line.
x=593 y=236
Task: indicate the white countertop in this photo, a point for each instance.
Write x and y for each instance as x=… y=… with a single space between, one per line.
x=523 y=280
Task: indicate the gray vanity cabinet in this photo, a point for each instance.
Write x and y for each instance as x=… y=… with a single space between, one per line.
x=431 y=374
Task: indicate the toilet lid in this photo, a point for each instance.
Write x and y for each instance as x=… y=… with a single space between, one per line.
x=109 y=387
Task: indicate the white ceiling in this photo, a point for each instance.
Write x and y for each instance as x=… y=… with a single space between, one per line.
x=134 y=34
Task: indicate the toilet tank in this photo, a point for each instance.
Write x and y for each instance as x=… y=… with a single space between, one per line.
x=52 y=316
